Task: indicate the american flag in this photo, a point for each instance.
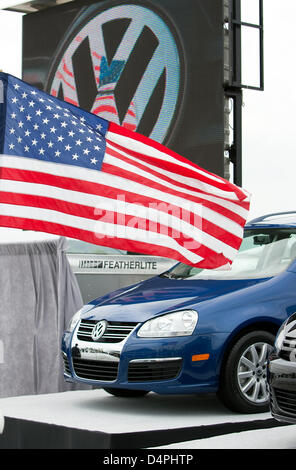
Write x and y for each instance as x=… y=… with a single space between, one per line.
x=69 y=172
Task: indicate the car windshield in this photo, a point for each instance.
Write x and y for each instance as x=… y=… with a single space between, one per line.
x=263 y=253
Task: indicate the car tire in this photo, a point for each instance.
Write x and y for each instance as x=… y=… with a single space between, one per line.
x=243 y=382
x=125 y=392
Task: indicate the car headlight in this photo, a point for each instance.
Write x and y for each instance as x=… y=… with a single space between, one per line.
x=74 y=320
x=181 y=323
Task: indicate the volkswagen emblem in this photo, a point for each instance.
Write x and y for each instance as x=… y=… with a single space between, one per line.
x=98 y=330
x=123 y=64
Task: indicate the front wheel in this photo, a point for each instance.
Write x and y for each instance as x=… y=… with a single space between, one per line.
x=243 y=384
x=125 y=392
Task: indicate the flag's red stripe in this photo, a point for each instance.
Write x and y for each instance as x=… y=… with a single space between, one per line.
x=209 y=227
x=178 y=169
x=106 y=216
x=113 y=193
x=113 y=127
x=114 y=170
x=80 y=210
x=152 y=183
x=90 y=237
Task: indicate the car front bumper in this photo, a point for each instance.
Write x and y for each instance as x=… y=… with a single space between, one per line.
x=162 y=365
x=282 y=387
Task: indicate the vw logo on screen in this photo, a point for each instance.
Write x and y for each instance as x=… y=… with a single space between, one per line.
x=122 y=64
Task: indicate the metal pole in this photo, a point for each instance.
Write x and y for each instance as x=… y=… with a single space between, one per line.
x=237 y=43
x=261 y=45
x=236 y=93
x=237 y=117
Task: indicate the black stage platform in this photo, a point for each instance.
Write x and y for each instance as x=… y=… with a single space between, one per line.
x=93 y=419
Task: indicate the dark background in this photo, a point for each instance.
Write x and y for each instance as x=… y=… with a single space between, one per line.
x=197 y=130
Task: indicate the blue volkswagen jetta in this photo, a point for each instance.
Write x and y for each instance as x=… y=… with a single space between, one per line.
x=192 y=330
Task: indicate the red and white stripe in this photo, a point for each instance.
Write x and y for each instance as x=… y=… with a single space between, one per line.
x=65 y=77
x=105 y=107
x=145 y=199
x=104 y=104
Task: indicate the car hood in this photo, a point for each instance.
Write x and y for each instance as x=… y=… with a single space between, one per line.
x=160 y=295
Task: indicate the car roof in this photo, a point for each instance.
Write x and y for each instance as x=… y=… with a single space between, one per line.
x=274 y=220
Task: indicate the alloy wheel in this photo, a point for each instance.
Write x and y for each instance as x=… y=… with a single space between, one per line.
x=252 y=371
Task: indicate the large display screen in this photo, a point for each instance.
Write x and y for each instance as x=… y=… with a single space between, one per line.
x=155 y=67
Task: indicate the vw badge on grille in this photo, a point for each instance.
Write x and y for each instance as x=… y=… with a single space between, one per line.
x=98 y=330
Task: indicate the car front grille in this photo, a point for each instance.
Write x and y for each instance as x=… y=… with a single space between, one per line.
x=146 y=371
x=115 y=331
x=66 y=364
x=288 y=349
x=95 y=370
x=285 y=400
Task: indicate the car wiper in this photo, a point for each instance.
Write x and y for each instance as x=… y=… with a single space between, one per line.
x=172 y=276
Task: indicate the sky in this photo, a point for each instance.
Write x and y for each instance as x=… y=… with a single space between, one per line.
x=268 y=117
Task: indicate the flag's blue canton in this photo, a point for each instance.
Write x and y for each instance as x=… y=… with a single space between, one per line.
x=44 y=127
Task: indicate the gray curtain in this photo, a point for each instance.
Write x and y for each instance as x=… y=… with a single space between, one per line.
x=38 y=295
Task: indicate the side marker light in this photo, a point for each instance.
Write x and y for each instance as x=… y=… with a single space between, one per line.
x=200 y=357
